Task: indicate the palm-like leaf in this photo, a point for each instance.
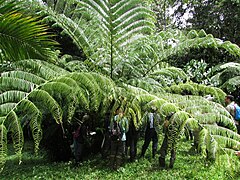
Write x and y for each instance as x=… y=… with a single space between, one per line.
x=22 y=37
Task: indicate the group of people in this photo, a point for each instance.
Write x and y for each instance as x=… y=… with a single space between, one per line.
x=121 y=135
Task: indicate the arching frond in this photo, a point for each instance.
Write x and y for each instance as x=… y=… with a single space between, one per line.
x=197 y=89
x=148 y=84
x=63 y=94
x=6 y=108
x=33 y=117
x=167 y=108
x=156 y=102
x=24 y=75
x=213 y=118
x=184 y=45
x=9 y=83
x=175 y=73
x=3 y=145
x=12 y=96
x=203 y=139
x=43 y=99
x=42 y=69
x=221 y=131
x=23 y=37
x=232 y=84
x=13 y=125
x=227 y=142
x=82 y=94
x=90 y=85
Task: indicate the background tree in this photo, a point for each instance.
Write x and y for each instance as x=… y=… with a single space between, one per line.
x=219 y=18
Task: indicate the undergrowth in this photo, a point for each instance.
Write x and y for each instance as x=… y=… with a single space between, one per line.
x=188 y=165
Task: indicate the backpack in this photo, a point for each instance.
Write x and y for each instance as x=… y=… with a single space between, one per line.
x=237 y=112
x=116 y=133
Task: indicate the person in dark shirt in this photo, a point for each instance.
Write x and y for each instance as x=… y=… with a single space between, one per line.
x=151 y=133
x=80 y=138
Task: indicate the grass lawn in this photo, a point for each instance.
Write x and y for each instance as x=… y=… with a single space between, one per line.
x=188 y=165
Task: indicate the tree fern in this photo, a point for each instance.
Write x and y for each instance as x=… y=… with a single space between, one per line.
x=99 y=92
x=110 y=27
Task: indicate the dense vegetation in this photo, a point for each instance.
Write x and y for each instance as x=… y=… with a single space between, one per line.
x=61 y=59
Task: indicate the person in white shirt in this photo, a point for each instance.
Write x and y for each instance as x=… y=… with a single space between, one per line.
x=231 y=108
x=229 y=100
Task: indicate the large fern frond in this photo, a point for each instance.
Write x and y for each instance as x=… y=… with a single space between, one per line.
x=45 y=100
x=3 y=145
x=40 y=68
x=33 y=117
x=14 y=127
x=23 y=37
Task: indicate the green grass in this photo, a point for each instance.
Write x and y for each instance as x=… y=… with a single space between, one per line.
x=188 y=165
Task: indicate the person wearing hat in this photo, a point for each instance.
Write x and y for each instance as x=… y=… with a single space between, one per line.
x=151 y=119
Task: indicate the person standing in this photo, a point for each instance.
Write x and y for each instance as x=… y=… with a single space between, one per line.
x=80 y=138
x=231 y=108
x=118 y=129
x=151 y=133
x=168 y=133
x=132 y=138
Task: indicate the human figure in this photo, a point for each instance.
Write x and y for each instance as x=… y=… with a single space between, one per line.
x=151 y=133
x=80 y=138
x=132 y=138
x=106 y=144
x=118 y=128
x=237 y=153
x=165 y=144
x=231 y=108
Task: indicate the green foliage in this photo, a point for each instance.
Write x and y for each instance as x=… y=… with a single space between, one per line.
x=219 y=18
x=198 y=71
x=22 y=36
x=103 y=29
x=197 y=89
x=123 y=47
x=188 y=165
x=226 y=76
